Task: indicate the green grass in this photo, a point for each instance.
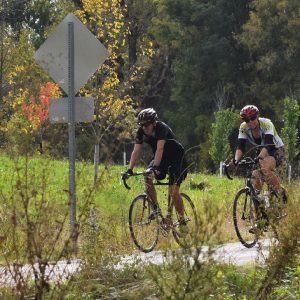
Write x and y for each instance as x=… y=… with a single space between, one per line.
x=48 y=179
x=112 y=200
x=44 y=177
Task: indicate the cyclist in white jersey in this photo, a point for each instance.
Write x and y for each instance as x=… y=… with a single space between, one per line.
x=261 y=131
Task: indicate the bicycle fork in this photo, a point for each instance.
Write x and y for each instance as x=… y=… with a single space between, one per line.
x=248 y=192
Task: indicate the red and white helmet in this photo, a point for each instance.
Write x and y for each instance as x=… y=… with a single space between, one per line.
x=248 y=111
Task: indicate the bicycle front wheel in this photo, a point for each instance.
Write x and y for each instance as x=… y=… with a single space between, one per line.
x=185 y=235
x=143 y=230
x=244 y=218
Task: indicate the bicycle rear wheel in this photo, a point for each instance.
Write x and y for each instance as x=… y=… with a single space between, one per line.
x=143 y=230
x=187 y=237
x=244 y=218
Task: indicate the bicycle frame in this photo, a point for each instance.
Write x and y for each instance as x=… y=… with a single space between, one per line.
x=158 y=223
x=155 y=183
x=250 y=187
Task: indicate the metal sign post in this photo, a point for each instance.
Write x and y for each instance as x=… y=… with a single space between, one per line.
x=72 y=145
x=71 y=67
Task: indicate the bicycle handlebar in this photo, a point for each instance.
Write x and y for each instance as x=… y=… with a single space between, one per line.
x=247 y=162
x=144 y=173
x=125 y=183
x=226 y=171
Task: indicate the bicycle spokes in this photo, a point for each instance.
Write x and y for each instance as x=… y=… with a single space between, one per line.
x=185 y=228
x=144 y=231
x=244 y=218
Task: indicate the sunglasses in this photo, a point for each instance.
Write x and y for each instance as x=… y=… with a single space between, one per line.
x=145 y=124
x=247 y=120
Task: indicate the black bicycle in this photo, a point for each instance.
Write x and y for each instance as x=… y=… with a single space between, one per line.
x=255 y=213
x=145 y=229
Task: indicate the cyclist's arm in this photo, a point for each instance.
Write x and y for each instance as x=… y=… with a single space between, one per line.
x=238 y=155
x=268 y=141
x=159 y=152
x=135 y=155
x=240 y=149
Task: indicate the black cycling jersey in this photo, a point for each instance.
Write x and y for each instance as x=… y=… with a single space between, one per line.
x=162 y=132
x=173 y=155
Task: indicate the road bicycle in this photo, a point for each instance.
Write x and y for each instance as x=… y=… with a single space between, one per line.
x=255 y=213
x=145 y=229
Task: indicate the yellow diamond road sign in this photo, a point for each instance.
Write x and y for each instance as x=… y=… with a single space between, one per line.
x=89 y=54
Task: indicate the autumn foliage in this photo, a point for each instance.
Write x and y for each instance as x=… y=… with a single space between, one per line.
x=37 y=110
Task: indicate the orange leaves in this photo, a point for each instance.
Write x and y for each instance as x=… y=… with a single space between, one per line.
x=37 y=111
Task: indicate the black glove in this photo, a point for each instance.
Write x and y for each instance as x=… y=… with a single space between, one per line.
x=156 y=170
x=153 y=169
x=127 y=174
x=257 y=159
x=233 y=162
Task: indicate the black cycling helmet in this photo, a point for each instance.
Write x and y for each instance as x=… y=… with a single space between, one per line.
x=147 y=115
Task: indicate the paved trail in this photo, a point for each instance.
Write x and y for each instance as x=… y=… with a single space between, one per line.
x=234 y=253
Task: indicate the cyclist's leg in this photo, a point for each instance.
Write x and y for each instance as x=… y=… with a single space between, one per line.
x=150 y=190
x=257 y=180
x=177 y=175
x=268 y=167
x=149 y=187
x=174 y=191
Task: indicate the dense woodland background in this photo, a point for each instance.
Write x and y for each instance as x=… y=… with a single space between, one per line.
x=197 y=62
x=186 y=58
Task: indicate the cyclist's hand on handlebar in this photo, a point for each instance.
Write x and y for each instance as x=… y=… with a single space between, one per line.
x=257 y=159
x=155 y=170
x=233 y=162
x=127 y=174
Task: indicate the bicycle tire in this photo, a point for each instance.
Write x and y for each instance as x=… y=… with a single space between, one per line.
x=144 y=231
x=189 y=238
x=244 y=217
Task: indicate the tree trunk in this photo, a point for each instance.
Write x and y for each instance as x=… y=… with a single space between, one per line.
x=289 y=173
x=96 y=161
x=132 y=42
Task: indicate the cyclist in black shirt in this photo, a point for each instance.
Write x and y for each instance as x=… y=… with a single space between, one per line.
x=168 y=158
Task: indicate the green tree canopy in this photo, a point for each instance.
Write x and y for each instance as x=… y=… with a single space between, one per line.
x=200 y=37
x=225 y=120
x=290 y=132
x=272 y=35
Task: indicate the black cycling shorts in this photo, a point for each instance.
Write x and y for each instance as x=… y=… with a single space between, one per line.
x=173 y=163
